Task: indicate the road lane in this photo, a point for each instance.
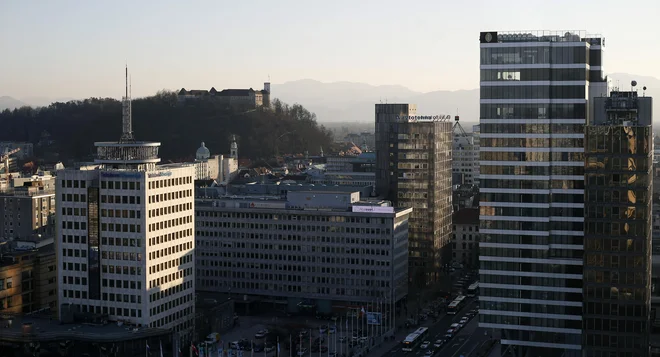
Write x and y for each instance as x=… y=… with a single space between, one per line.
x=437 y=331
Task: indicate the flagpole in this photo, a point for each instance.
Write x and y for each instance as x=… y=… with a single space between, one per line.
x=310 y=341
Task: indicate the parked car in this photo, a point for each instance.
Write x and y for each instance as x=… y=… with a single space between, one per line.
x=261 y=334
x=323 y=329
x=302 y=351
x=332 y=329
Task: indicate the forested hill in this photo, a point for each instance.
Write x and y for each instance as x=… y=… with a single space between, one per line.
x=75 y=126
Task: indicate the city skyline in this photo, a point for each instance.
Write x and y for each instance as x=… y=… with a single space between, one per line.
x=322 y=42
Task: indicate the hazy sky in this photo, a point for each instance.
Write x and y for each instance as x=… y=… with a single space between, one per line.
x=77 y=49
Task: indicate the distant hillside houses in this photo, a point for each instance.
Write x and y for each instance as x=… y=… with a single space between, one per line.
x=249 y=98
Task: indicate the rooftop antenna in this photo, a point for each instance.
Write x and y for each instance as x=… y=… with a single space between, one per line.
x=126 y=122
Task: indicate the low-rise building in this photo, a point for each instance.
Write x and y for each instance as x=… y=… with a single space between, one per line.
x=328 y=250
x=28 y=278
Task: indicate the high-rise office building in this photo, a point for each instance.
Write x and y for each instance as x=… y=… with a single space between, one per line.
x=125 y=237
x=617 y=237
x=535 y=95
x=413 y=169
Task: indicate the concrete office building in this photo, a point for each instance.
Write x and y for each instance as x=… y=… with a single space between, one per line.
x=413 y=169
x=28 y=211
x=326 y=250
x=535 y=95
x=125 y=237
x=617 y=241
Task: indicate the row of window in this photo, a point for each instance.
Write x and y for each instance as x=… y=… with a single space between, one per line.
x=169 y=196
x=121 y=256
x=531 y=156
x=529 y=198
x=532 y=170
x=121 y=242
x=629 y=229
x=260 y=262
x=533 y=111
x=535 y=74
x=121 y=227
x=180 y=274
x=74 y=197
x=250 y=286
x=530 y=267
x=116 y=199
x=169 y=237
x=169 y=223
x=77 y=253
x=121 y=284
x=533 y=92
x=170 y=209
x=535 y=55
x=121 y=185
x=533 y=226
x=176 y=262
x=529 y=321
x=74 y=225
x=251 y=217
x=595 y=342
x=170 y=182
x=532 y=128
x=73 y=183
x=121 y=213
x=165 y=252
x=532 y=184
x=532 y=142
x=612 y=278
x=119 y=269
x=115 y=312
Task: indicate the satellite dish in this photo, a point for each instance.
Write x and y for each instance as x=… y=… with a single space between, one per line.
x=644 y=88
x=633 y=83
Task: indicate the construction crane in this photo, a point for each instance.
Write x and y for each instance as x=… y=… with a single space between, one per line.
x=4 y=158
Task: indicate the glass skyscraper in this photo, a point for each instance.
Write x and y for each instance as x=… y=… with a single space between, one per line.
x=535 y=95
x=617 y=239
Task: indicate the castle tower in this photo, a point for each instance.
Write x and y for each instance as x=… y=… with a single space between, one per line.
x=233 y=153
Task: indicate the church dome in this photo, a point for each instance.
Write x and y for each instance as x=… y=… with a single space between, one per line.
x=203 y=152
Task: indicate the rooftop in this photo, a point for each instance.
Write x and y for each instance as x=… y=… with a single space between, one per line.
x=549 y=36
x=44 y=329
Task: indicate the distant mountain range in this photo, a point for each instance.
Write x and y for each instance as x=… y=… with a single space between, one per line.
x=354 y=102
x=10 y=103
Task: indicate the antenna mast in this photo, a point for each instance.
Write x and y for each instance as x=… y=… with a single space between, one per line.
x=127 y=120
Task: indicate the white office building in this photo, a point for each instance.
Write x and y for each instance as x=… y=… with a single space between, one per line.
x=125 y=237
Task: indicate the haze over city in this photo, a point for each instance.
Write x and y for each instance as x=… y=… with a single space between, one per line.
x=72 y=49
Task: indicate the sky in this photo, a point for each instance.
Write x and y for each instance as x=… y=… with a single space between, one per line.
x=78 y=49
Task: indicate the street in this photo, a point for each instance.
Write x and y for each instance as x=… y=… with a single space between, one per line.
x=465 y=343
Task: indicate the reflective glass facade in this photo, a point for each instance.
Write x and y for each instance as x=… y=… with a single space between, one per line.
x=413 y=169
x=535 y=94
x=617 y=241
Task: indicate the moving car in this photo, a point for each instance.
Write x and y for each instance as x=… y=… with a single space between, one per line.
x=261 y=333
x=438 y=343
x=429 y=353
x=425 y=345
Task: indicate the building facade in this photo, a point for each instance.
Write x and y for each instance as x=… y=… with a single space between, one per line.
x=413 y=169
x=618 y=216
x=465 y=156
x=27 y=211
x=465 y=237
x=28 y=280
x=319 y=248
x=535 y=95
x=125 y=237
x=240 y=98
